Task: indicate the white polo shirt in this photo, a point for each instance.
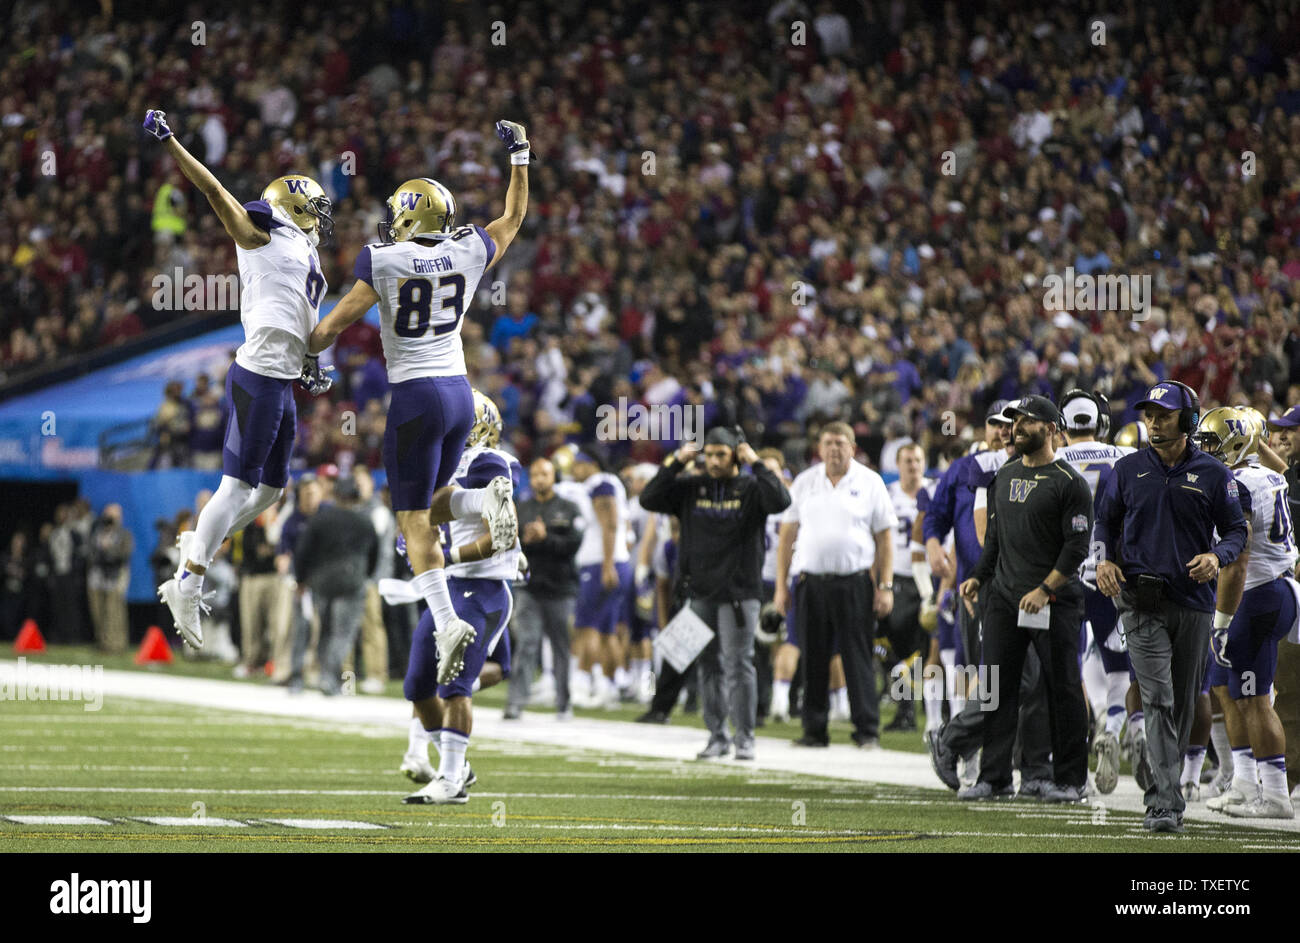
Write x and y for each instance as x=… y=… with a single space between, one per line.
x=838 y=523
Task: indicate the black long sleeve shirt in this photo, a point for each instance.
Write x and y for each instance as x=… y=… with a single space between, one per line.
x=1039 y=520
x=552 y=574
x=336 y=551
x=722 y=527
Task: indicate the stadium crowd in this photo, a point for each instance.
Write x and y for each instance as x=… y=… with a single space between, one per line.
x=858 y=227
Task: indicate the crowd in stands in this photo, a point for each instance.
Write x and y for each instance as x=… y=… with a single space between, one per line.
x=857 y=227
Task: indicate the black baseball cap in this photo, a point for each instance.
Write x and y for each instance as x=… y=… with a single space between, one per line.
x=1037 y=407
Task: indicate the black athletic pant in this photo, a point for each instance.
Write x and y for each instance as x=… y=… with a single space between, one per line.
x=902 y=627
x=832 y=609
x=1005 y=647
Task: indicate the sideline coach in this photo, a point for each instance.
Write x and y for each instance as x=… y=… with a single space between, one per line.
x=1157 y=515
x=843 y=519
x=1039 y=526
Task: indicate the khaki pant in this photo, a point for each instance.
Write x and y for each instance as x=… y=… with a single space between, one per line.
x=263 y=620
x=108 y=613
x=1287 y=704
x=282 y=628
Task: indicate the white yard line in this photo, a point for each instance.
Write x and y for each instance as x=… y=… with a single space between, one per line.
x=383 y=716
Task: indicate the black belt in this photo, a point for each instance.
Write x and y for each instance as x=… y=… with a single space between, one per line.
x=836 y=577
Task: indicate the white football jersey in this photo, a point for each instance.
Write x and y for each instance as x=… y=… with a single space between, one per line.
x=280 y=290
x=592 y=549
x=424 y=289
x=1094 y=461
x=905 y=511
x=1272 y=544
x=478 y=466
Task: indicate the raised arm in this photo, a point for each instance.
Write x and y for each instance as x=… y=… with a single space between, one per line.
x=246 y=233
x=503 y=230
x=350 y=309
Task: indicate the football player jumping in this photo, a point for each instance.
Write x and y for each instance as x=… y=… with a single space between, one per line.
x=281 y=287
x=478 y=580
x=423 y=274
x=1257 y=605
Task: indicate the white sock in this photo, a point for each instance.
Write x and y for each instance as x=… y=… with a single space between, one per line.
x=621 y=677
x=467 y=502
x=417 y=738
x=1272 y=775
x=932 y=695
x=638 y=668
x=781 y=698
x=218 y=515
x=1116 y=690
x=1136 y=725
x=432 y=585
x=191 y=583
x=1193 y=760
x=1219 y=737
x=599 y=683
x=1245 y=773
x=548 y=658
x=263 y=497
x=956 y=697
x=840 y=700
x=580 y=682
x=451 y=765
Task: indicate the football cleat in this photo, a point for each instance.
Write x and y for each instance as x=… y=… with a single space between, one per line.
x=1264 y=806
x=1233 y=796
x=439 y=792
x=1222 y=784
x=417 y=768
x=186 y=610
x=499 y=513
x=451 y=642
x=1106 y=746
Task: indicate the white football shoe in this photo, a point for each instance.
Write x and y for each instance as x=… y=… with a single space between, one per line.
x=1266 y=805
x=1191 y=792
x=186 y=611
x=1221 y=785
x=499 y=512
x=1234 y=796
x=417 y=767
x=452 y=640
x=1106 y=746
x=439 y=792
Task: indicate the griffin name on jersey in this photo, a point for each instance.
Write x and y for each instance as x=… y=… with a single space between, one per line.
x=478 y=466
x=280 y=290
x=424 y=288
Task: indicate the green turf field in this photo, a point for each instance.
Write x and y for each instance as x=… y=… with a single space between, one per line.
x=216 y=779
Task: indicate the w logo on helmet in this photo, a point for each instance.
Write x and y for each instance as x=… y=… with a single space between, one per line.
x=1020 y=489
x=1236 y=426
x=296 y=186
x=409 y=201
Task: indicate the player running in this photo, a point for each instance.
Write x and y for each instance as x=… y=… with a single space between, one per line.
x=1087 y=423
x=1257 y=605
x=281 y=287
x=423 y=275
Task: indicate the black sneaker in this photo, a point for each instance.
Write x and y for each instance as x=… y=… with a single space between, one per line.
x=942 y=760
x=511 y=713
x=904 y=719
x=1163 y=820
x=653 y=717
x=810 y=741
x=865 y=742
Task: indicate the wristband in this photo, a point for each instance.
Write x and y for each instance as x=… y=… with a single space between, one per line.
x=1048 y=590
x=1221 y=619
x=520 y=157
x=455 y=554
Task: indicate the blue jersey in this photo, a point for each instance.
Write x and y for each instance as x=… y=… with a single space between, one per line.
x=952 y=506
x=1154 y=519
